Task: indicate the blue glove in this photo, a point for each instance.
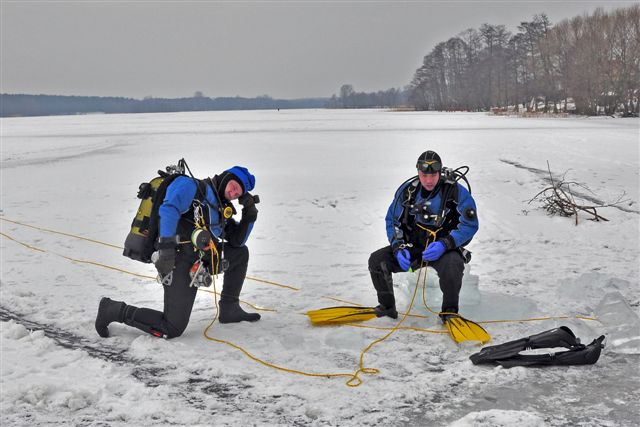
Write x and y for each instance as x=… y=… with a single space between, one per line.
x=434 y=251
x=404 y=259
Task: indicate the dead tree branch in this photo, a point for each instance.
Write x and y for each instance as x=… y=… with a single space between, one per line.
x=558 y=199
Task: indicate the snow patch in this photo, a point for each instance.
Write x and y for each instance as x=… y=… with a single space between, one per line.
x=499 y=418
x=316 y=229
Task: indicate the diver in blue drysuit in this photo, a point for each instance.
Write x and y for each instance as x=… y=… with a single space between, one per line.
x=179 y=212
x=431 y=219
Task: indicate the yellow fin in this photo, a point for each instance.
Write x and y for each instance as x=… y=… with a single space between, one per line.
x=461 y=329
x=345 y=314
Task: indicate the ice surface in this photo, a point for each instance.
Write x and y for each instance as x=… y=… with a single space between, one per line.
x=498 y=418
x=622 y=324
x=326 y=179
x=473 y=303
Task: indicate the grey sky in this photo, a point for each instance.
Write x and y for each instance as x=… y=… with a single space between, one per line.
x=285 y=49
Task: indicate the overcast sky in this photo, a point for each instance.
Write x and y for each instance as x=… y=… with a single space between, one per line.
x=286 y=49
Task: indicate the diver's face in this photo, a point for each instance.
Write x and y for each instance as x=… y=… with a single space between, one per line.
x=429 y=180
x=233 y=190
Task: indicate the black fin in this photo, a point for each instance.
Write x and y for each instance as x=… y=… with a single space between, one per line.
x=558 y=337
x=578 y=355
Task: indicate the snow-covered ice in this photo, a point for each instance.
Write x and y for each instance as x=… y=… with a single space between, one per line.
x=325 y=178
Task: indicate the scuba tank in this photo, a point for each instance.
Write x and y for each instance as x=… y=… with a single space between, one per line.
x=139 y=244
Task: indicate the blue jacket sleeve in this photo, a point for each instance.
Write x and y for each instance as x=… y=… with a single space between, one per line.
x=177 y=201
x=393 y=219
x=468 y=220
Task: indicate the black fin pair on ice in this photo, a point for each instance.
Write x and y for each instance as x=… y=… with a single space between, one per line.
x=509 y=354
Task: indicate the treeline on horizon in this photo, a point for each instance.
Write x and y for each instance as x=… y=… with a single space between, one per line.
x=590 y=63
x=15 y=105
x=349 y=98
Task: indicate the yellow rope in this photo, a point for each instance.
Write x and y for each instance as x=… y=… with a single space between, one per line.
x=344 y=301
x=248 y=277
x=60 y=232
x=214 y=292
x=537 y=319
x=23 y=244
x=425 y=264
x=355 y=381
x=261 y=361
x=255 y=279
x=205 y=333
x=407 y=328
x=81 y=261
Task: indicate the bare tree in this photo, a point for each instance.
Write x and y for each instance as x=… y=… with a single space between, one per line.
x=592 y=60
x=346 y=95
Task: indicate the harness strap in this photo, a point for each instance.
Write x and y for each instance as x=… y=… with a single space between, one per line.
x=449 y=193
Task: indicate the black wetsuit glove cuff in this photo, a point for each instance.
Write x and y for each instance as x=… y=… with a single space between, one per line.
x=167 y=242
x=166 y=255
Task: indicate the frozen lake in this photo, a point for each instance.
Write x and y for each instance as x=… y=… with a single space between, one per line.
x=325 y=179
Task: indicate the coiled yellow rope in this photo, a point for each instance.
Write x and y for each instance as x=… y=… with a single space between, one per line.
x=206 y=331
x=354 y=380
x=257 y=359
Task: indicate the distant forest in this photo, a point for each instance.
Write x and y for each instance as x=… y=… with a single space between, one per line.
x=588 y=64
x=45 y=105
x=349 y=98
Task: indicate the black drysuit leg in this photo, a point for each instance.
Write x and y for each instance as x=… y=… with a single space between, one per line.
x=230 y=310
x=381 y=264
x=178 y=302
x=238 y=259
x=450 y=268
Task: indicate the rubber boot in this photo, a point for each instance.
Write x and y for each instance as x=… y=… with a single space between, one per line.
x=381 y=311
x=109 y=311
x=231 y=312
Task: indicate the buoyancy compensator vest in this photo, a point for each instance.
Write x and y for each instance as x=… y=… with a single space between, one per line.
x=443 y=217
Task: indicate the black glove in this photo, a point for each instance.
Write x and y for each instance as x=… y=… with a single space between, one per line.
x=249 y=210
x=166 y=255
